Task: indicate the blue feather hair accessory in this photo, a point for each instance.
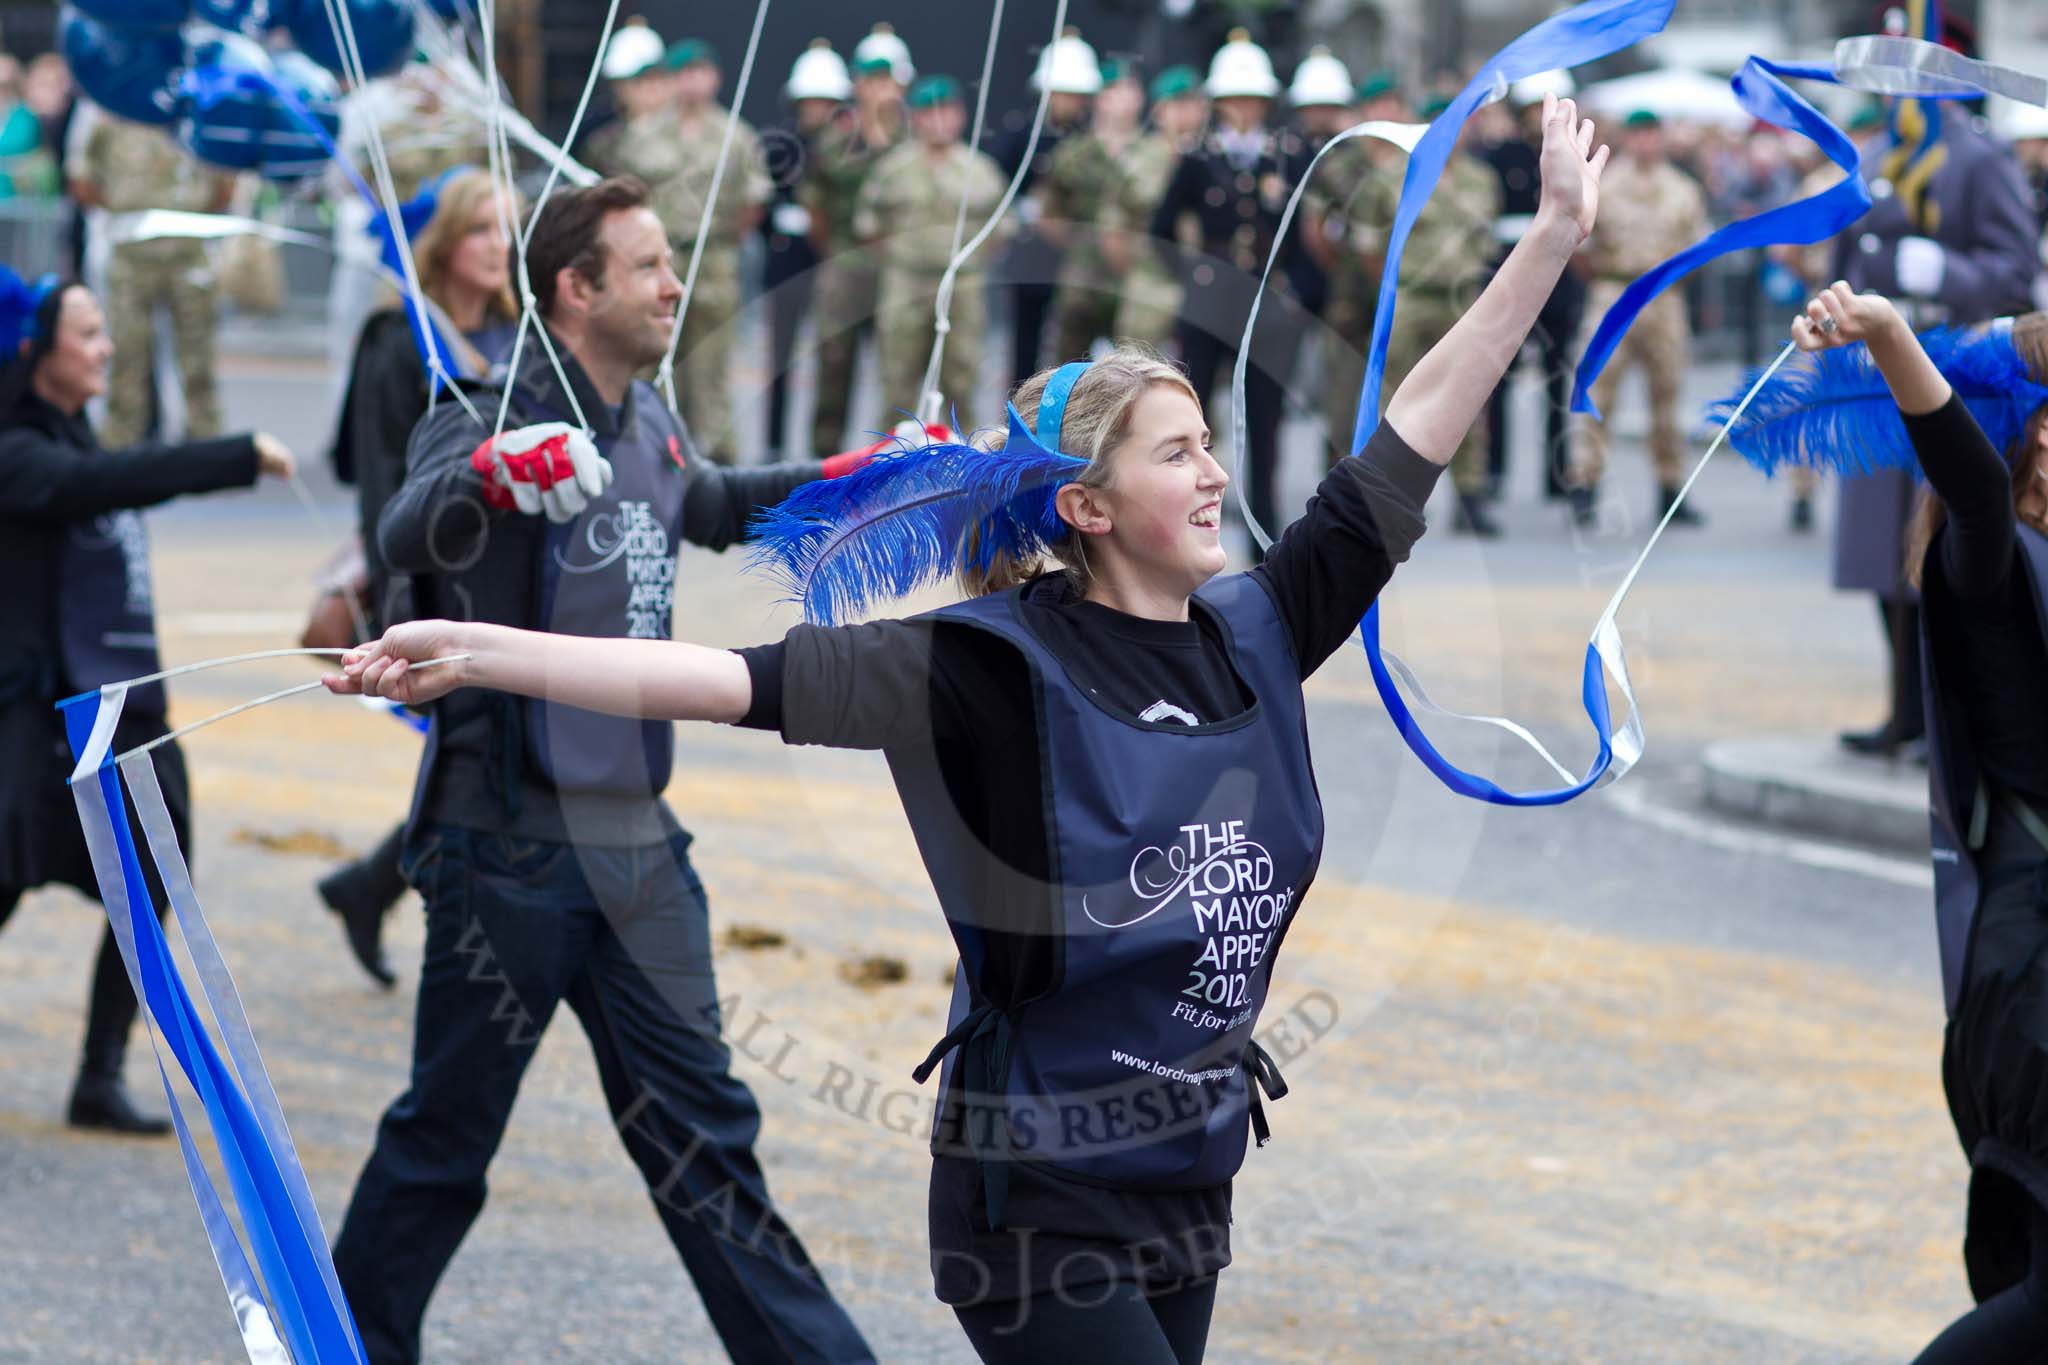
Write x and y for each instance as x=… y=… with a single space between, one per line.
x=911 y=519
x=19 y=300
x=1832 y=410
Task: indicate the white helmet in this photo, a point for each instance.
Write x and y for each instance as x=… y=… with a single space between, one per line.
x=2017 y=122
x=1068 y=67
x=1241 y=67
x=1320 y=79
x=818 y=74
x=882 y=42
x=1532 y=89
x=634 y=50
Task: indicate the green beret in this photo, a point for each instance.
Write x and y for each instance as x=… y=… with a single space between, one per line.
x=1175 y=82
x=1434 y=105
x=1376 y=84
x=933 y=91
x=874 y=66
x=689 y=52
x=1643 y=118
x=1115 y=69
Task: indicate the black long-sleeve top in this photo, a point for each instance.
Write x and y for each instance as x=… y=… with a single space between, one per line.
x=1983 y=623
x=963 y=696
x=54 y=474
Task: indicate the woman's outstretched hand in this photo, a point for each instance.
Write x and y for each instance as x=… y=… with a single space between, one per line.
x=389 y=667
x=1839 y=316
x=1571 y=165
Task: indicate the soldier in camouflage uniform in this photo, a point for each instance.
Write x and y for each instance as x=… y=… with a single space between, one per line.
x=126 y=168
x=710 y=326
x=906 y=211
x=1650 y=210
x=850 y=277
x=1073 y=202
x=1446 y=263
x=1350 y=185
x=1149 y=301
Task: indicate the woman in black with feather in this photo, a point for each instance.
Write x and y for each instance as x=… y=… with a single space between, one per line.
x=77 y=614
x=1979 y=555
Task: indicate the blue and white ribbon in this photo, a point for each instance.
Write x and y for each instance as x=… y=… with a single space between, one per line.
x=289 y=1306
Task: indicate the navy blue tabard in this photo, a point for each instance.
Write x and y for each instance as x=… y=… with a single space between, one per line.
x=611 y=572
x=1180 y=854
x=106 y=618
x=1954 y=778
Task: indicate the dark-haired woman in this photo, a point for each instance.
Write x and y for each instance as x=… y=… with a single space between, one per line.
x=77 y=614
x=465 y=269
x=1979 y=554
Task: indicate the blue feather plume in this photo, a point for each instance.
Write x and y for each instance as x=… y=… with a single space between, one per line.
x=911 y=519
x=1831 y=409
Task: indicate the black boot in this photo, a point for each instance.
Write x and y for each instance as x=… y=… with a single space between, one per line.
x=1802 y=515
x=1687 y=514
x=101 y=1101
x=1584 y=507
x=1471 y=518
x=361 y=893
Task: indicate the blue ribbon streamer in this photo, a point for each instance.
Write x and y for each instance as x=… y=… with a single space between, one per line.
x=287 y=1253
x=1761 y=91
x=1580 y=34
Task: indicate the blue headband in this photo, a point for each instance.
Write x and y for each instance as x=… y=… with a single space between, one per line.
x=1052 y=404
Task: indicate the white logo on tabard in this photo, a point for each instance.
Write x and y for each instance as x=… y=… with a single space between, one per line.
x=1227 y=880
x=1166 y=710
x=125 y=529
x=634 y=536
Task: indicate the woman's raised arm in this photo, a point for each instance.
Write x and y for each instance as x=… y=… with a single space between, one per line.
x=652 y=679
x=1443 y=395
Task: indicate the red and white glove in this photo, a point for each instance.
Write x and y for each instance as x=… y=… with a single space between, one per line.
x=550 y=468
x=908 y=436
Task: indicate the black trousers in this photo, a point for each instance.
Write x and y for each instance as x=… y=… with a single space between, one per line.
x=2010 y=1327
x=1030 y=303
x=111 y=1005
x=1097 y=1324
x=1208 y=357
x=622 y=936
x=788 y=302
x=1556 y=327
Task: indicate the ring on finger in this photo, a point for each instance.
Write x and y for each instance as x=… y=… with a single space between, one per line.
x=1829 y=326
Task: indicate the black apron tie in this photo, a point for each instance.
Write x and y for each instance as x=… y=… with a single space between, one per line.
x=983 y=1035
x=1264 y=1075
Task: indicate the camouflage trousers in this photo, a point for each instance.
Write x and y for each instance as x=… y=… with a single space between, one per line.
x=904 y=334
x=142 y=277
x=703 y=369
x=848 y=285
x=1142 y=307
x=1149 y=307
x=1421 y=318
x=1660 y=340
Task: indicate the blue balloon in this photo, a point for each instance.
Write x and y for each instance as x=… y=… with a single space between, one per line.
x=244 y=16
x=226 y=101
x=126 y=72
x=291 y=150
x=136 y=13
x=382 y=28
